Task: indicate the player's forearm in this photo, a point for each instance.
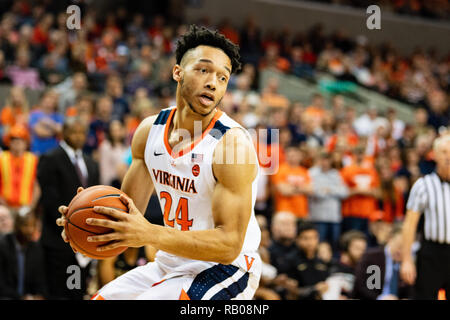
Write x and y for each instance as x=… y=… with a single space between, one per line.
x=408 y=234
x=221 y=244
x=208 y=245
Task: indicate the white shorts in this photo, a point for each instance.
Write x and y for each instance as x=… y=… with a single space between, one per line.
x=199 y=280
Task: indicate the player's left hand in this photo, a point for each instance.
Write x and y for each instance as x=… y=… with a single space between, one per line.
x=129 y=228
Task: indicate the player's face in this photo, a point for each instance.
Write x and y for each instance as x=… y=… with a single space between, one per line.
x=204 y=78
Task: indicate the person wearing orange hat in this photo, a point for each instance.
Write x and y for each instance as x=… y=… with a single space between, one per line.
x=18 y=183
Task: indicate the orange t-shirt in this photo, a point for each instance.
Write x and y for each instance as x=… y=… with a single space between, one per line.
x=314 y=111
x=393 y=210
x=10 y=116
x=360 y=206
x=351 y=140
x=297 y=204
x=275 y=100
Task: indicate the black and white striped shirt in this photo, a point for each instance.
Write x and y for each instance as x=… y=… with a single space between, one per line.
x=431 y=196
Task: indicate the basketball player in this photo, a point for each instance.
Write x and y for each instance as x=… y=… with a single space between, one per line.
x=208 y=246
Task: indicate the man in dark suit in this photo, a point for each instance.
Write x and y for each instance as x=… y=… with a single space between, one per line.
x=22 y=273
x=60 y=172
x=387 y=258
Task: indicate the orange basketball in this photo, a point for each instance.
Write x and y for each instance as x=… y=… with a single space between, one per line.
x=81 y=208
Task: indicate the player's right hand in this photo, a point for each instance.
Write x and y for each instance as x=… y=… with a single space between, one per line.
x=408 y=271
x=62 y=221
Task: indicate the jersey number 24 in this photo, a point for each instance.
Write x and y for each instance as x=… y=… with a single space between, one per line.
x=181 y=213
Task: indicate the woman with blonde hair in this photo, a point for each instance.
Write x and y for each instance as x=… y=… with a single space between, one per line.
x=15 y=111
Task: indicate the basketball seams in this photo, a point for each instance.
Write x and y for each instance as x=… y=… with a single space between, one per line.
x=116 y=195
x=92 y=207
x=82 y=208
x=79 y=248
x=82 y=229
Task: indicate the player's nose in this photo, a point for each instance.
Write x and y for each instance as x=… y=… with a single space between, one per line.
x=211 y=83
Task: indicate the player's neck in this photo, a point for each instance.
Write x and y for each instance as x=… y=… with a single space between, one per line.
x=185 y=119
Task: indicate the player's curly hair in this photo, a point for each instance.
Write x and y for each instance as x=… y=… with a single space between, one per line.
x=197 y=36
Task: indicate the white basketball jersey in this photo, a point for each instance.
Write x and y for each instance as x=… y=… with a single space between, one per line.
x=184 y=181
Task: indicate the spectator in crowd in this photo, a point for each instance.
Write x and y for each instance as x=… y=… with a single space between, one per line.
x=6 y=221
x=292 y=185
x=18 y=184
x=21 y=74
x=408 y=136
x=379 y=232
x=363 y=183
x=273 y=61
x=45 y=124
x=111 y=153
x=306 y=268
x=410 y=168
x=284 y=233
x=315 y=112
x=250 y=41
x=53 y=67
x=295 y=119
x=424 y=150
x=70 y=90
x=141 y=108
x=344 y=140
x=421 y=121
x=140 y=79
x=325 y=201
x=366 y=124
x=269 y=273
x=100 y=124
x=397 y=125
x=353 y=244
x=325 y=253
x=298 y=65
x=15 y=111
x=121 y=65
x=391 y=202
x=22 y=266
x=3 y=78
x=387 y=258
x=114 y=89
x=83 y=108
x=60 y=172
x=438 y=112
x=270 y=96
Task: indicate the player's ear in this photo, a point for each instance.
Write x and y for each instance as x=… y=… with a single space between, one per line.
x=177 y=73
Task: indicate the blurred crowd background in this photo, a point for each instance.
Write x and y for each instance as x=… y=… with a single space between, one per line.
x=435 y=9
x=343 y=177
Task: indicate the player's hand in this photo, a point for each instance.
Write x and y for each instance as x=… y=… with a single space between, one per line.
x=322 y=287
x=408 y=271
x=129 y=228
x=62 y=221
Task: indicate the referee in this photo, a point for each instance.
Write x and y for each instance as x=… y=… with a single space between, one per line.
x=430 y=195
